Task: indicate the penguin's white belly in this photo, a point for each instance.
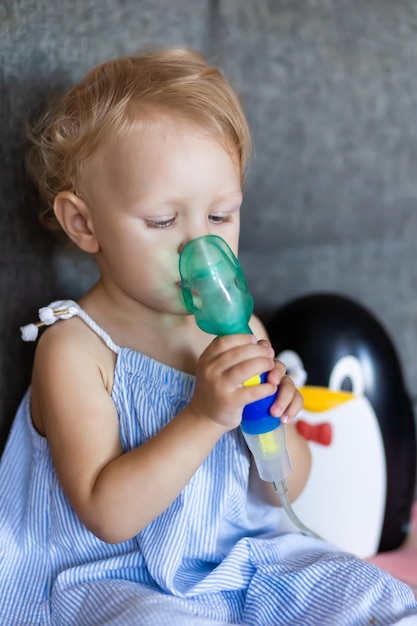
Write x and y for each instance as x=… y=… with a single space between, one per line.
x=344 y=499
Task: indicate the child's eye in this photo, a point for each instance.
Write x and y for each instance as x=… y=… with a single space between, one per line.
x=160 y=223
x=220 y=219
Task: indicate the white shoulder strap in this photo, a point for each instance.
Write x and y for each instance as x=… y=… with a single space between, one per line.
x=62 y=310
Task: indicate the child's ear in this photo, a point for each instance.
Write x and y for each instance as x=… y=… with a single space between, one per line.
x=74 y=217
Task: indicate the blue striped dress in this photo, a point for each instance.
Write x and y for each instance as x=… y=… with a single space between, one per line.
x=214 y=556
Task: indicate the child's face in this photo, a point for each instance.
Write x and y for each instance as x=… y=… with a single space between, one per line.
x=151 y=192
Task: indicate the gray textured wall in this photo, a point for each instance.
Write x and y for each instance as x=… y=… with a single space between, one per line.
x=330 y=90
x=331 y=93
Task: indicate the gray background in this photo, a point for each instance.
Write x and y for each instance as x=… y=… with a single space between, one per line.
x=330 y=90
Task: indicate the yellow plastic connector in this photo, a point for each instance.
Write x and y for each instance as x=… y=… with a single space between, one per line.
x=252 y=381
x=268 y=443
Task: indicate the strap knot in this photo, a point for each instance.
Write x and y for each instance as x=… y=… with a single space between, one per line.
x=60 y=309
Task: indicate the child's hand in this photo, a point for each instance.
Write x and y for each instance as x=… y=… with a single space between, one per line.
x=223 y=367
x=289 y=400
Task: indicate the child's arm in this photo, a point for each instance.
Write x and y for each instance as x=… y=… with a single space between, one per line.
x=117 y=494
x=287 y=404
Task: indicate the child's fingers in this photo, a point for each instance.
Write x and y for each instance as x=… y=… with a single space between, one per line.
x=277 y=373
x=221 y=345
x=244 y=372
x=239 y=356
x=289 y=400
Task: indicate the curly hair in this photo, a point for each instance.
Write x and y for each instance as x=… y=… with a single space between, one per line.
x=119 y=94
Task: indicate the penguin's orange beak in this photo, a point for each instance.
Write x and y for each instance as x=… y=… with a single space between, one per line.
x=319 y=399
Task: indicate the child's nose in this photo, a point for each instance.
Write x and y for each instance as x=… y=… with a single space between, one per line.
x=193 y=234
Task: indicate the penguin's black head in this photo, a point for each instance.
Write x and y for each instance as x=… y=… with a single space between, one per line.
x=322 y=329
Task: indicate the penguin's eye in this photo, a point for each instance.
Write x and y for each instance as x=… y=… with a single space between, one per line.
x=294 y=365
x=347 y=375
x=346 y=384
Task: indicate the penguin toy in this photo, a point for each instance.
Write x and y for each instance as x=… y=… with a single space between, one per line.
x=357 y=417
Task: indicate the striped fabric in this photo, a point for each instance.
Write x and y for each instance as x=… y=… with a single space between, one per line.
x=213 y=557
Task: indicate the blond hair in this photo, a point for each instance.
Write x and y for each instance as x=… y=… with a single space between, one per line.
x=117 y=95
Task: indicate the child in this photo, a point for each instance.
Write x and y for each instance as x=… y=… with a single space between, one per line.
x=127 y=494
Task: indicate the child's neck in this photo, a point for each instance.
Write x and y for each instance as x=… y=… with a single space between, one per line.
x=171 y=339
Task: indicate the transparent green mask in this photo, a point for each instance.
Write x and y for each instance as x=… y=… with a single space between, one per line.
x=214 y=287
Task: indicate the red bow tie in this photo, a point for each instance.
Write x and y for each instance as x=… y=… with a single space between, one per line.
x=320 y=433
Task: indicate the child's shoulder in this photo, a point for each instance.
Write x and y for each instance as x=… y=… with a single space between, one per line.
x=69 y=356
x=70 y=342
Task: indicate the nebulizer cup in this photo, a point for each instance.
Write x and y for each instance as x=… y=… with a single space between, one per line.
x=214 y=290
